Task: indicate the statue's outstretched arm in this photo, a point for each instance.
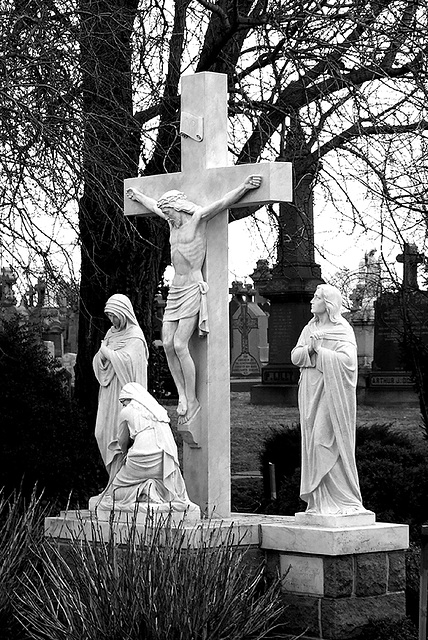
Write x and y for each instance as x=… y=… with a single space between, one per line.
x=135 y=194
x=211 y=210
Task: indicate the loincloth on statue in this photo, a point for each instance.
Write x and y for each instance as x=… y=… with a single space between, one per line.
x=187 y=301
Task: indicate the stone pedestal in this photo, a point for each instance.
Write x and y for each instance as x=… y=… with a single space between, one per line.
x=335 y=579
x=142 y=515
x=338 y=579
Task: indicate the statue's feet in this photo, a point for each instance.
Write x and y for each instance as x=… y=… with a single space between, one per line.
x=181 y=408
x=192 y=411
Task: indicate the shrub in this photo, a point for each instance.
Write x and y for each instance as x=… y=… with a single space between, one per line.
x=44 y=438
x=156 y=586
x=392 y=469
x=393 y=474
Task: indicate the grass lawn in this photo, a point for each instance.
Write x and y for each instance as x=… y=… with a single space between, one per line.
x=250 y=424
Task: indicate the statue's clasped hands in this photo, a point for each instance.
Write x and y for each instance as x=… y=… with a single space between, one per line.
x=104 y=350
x=315 y=341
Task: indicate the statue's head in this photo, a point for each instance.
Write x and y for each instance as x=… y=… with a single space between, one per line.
x=140 y=399
x=119 y=310
x=332 y=299
x=176 y=200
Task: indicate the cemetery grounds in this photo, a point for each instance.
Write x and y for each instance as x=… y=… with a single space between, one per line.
x=251 y=424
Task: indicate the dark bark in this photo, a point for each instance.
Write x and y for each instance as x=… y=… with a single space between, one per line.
x=118 y=255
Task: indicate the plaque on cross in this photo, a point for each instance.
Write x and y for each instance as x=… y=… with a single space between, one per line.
x=204 y=177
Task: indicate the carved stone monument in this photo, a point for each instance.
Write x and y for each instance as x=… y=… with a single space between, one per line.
x=363 y=296
x=249 y=326
x=289 y=287
x=205 y=177
x=389 y=382
x=327 y=571
x=8 y=279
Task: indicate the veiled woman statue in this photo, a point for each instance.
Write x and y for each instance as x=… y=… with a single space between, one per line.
x=121 y=358
x=149 y=473
x=327 y=356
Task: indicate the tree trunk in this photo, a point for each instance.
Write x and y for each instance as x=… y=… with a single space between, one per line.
x=117 y=255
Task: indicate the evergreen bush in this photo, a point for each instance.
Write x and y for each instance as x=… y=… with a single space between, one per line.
x=392 y=469
x=45 y=440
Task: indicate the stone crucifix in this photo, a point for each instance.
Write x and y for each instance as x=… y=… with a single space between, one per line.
x=206 y=179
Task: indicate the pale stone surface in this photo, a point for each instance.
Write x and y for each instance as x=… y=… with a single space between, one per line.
x=186 y=308
x=192 y=515
x=336 y=521
x=245 y=529
x=121 y=358
x=149 y=476
x=302 y=574
x=326 y=354
x=205 y=175
x=274 y=533
x=292 y=537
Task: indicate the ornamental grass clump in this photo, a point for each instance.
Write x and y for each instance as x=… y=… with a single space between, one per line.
x=163 y=584
x=21 y=531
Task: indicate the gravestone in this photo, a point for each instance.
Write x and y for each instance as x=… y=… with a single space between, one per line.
x=289 y=287
x=204 y=177
x=249 y=324
x=389 y=382
x=361 y=316
x=260 y=273
x=8 y=279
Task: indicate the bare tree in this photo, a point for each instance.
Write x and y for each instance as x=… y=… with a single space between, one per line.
x=91 y=95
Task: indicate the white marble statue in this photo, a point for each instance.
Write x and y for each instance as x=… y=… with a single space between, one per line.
x=121 y=358
x=186 y=307
x=327 y=356
x=149 y=473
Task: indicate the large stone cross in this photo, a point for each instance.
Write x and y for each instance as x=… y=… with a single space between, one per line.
x=205 y=177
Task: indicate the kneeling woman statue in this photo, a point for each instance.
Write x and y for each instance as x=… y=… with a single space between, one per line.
x=150 y=474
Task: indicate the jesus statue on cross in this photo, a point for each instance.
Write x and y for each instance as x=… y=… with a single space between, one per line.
x=186 y=306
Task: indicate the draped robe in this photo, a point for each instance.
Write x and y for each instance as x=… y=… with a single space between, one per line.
x=327 y=405
x=128 y=363
x=150 y=474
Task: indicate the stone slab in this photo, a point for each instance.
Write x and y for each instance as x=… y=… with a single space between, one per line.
x=191 y=515
x=302 y=574
x=273 y=533
x=244 y=529
x=345 y=617
x=295 y=538
x=335 y=522
x=336 y=619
